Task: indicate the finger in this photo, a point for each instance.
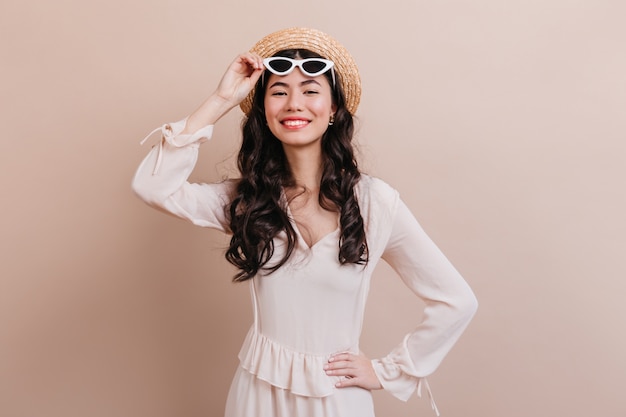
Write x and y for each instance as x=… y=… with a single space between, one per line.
x=342 y=356
x=347 y=382
x=340 y=364
x=341 y=372
x=254 y=61
x=242 y=66
x=258 y=60
x=343 y=359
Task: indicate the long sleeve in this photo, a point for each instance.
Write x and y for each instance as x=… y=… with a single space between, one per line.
x=162 y=179
x=450 y=305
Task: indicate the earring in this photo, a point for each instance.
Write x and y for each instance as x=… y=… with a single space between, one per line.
x=332 y=120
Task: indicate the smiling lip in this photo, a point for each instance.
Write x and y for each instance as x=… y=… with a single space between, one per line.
x=294 y=123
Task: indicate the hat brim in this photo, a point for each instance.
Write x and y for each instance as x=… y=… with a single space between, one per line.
x=320 y=43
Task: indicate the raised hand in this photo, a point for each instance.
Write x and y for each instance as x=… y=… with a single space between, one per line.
x=240 y=78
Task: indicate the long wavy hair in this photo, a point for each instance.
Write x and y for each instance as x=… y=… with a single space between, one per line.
x=258 y=210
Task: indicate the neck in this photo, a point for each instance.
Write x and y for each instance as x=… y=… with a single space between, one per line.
x=306 y=166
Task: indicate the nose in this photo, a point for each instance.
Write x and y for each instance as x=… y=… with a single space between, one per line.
x=294 y=102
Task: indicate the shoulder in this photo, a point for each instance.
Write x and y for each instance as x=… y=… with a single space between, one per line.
x=376 y=198
x=372 y=188
x=378 y=203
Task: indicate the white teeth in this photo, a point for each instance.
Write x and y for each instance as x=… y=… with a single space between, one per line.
x=293 y=123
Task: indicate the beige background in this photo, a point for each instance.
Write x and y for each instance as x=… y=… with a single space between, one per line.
x=501 y=123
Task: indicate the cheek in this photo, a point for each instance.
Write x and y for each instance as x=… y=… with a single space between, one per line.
x=322 y=106
x=268 y=106
x=273 y=106
x=271 y=116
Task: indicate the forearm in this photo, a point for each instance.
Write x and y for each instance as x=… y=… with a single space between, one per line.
x=208 y=113
x=237 y=82
x=450 y=305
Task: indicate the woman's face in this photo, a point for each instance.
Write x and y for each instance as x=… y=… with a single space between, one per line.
x=298 y=108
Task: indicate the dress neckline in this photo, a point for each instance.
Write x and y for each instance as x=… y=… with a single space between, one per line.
x=299 y=234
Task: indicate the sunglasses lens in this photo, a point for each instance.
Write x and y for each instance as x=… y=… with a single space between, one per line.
x=280 y=65
x=313 y=66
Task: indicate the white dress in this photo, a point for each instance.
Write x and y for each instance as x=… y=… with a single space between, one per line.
x=313 y=306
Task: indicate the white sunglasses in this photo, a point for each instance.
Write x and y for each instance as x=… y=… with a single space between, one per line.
x=310 y=66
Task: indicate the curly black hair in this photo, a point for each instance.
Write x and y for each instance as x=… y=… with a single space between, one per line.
x=258 y=211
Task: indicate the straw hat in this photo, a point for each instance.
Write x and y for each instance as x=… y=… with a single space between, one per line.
x=320 y=43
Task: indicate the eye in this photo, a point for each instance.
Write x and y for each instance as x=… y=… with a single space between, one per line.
x=279 y=93
x=309 y=92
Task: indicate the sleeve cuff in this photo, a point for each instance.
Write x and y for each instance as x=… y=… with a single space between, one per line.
x=393 y=380
x=171 y=133
x=400 y=384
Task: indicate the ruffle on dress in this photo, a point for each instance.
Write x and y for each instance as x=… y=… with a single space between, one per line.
x=300 y=373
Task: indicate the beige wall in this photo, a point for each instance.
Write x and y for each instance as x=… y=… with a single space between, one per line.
x=501 y=123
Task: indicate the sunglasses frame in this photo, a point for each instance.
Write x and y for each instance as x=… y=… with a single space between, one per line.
x=329 y=65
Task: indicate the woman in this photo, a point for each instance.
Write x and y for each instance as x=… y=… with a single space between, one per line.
x=307 y=231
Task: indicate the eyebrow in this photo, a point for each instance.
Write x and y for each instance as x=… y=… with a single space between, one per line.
x=303 y=83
